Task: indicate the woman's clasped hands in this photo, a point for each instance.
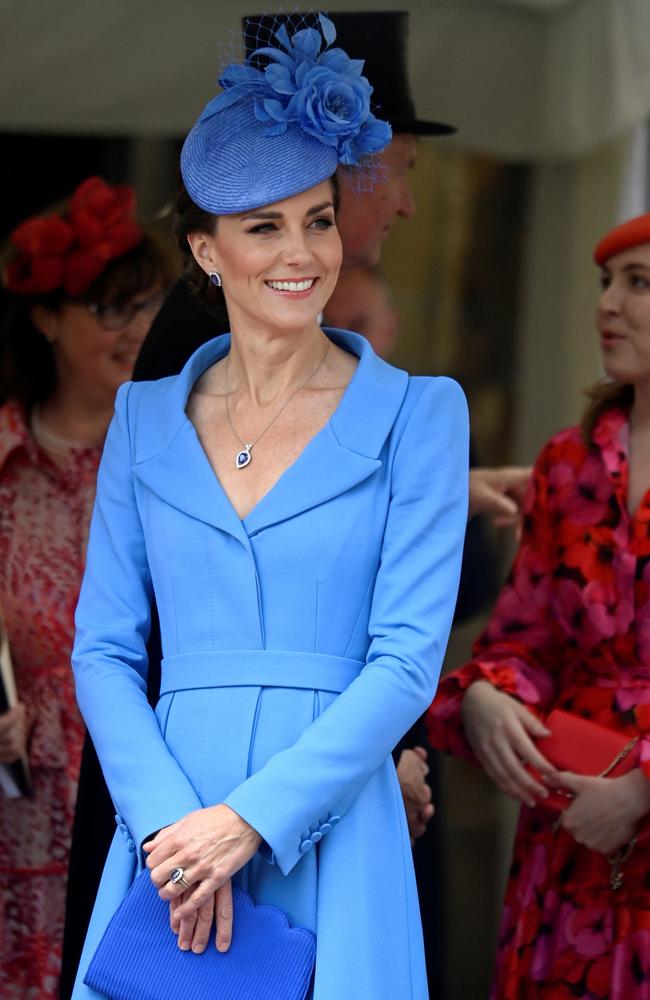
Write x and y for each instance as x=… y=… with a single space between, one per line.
x=209 y=846
x=604 y=813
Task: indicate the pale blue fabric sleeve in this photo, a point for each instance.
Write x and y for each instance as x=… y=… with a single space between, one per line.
x=412 y=609
x=109 y=659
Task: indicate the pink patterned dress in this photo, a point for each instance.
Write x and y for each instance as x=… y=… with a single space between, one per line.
x=44 y=515
x=571 y=630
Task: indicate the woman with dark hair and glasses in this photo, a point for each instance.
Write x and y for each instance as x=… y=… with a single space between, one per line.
x=82 y=289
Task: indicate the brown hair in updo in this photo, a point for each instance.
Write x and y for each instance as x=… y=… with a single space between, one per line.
x=189 y=218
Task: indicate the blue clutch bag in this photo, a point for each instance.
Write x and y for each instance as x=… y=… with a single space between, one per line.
x=138 y=957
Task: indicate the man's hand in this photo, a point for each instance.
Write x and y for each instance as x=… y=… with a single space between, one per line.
x=412 y=771
x=499 y=493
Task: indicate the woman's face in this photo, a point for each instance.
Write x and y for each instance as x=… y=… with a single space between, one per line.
x=278 y=263
x=623 y=315
x=96 y=346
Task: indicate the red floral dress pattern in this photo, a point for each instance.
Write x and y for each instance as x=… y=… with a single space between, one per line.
x=44 y=514
x=571 y=630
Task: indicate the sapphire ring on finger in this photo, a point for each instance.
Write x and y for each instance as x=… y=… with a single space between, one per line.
x=177 y=876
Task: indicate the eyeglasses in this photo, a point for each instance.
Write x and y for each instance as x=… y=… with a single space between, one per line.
x=114 y=316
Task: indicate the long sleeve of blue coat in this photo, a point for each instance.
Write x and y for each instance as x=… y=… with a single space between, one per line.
x=411 y=614
x=109 y=659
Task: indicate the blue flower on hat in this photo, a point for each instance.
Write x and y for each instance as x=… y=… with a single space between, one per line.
x=320 y=89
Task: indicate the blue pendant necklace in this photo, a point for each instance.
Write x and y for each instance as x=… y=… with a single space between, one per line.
x=244 y=456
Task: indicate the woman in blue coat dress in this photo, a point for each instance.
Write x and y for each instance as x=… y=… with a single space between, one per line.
x=297 y=507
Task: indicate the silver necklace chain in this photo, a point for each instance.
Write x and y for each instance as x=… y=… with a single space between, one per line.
x=244 y=457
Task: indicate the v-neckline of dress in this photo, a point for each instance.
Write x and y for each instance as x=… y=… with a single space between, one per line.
x=309 y=446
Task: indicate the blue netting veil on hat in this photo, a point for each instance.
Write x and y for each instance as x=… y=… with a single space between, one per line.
x=286 y=118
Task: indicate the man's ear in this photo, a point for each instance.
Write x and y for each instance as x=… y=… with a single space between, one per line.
x=46 y=321
x=203 y=251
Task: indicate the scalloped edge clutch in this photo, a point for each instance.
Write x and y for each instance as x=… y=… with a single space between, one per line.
x=138 y=957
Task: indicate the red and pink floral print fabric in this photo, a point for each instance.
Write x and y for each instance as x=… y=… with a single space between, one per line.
x=44 y=514
x=571 y=630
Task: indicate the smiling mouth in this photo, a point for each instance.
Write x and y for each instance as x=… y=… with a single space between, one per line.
x=610 y=335
x=292 y=286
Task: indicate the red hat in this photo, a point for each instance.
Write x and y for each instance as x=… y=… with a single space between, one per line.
x=629 y=234
x=70 y=251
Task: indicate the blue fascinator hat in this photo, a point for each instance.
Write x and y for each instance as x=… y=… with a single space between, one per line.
x=285 y=120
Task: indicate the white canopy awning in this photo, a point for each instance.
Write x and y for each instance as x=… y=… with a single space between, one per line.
x=523 y=79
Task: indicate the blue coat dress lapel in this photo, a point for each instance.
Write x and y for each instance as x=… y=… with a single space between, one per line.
x=170 y=460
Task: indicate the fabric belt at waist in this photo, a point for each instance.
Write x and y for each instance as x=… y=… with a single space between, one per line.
x=258 y=668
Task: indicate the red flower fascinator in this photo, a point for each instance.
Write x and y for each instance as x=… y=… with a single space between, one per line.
x=70 y=251
x=629 y=234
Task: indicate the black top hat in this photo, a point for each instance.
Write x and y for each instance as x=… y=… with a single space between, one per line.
x=377 y=37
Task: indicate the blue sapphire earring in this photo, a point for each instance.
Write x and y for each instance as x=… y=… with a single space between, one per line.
x=215 y=278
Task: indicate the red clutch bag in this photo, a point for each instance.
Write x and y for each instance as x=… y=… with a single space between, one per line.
x=584 y=747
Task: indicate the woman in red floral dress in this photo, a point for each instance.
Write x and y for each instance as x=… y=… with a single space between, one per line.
x=82 y=290
x=571 y=630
